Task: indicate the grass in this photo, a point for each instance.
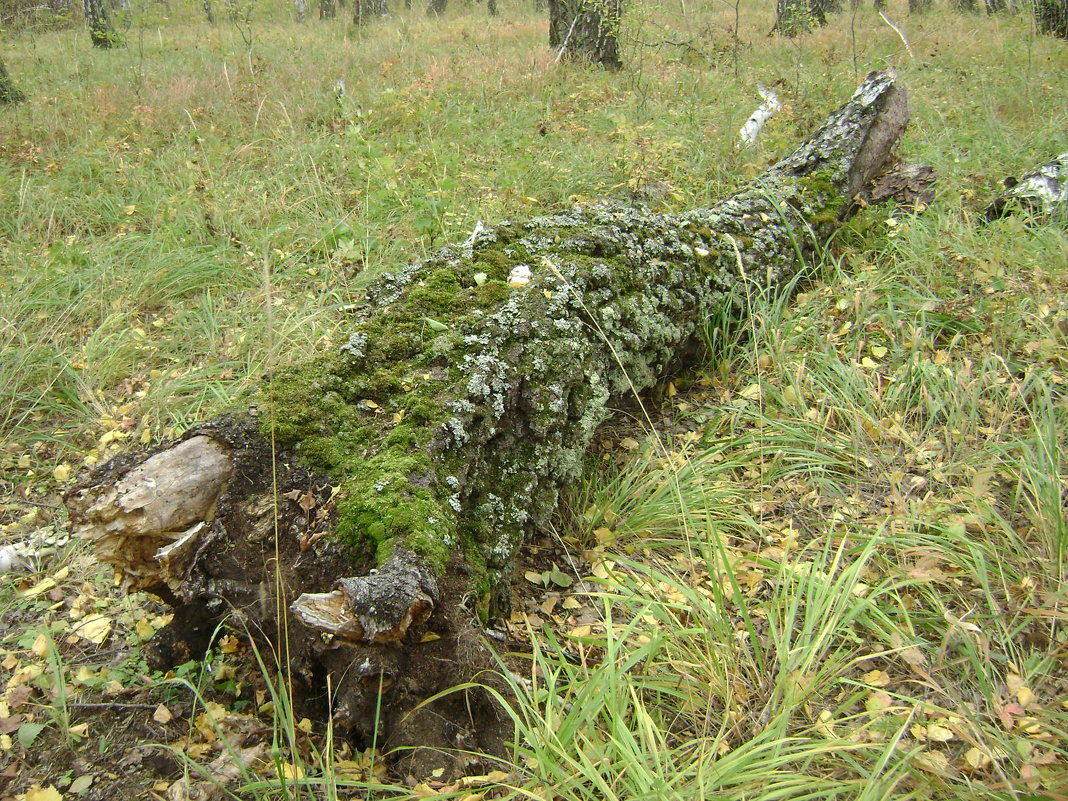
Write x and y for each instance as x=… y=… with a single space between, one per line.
x=836 y=573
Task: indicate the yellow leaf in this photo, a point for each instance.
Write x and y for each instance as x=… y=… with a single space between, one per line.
x=581 y=631
x=604 y=535
x=932 y=762
x=40 y=646
x=976 y=759
x=305 y=725
x=878 y=351
x=162 y=715
x=751 y=392
x=430 y=637
x=41 y=587
x=144 y=629
x=81 y=730
x=868 y=363
x=292 y=771
x=61 y=473
x=95 y=628
x=939 y=734
x=38 y=793
x=1025 y=696
x=629 y=444
x=424 y=790
x=876 y=678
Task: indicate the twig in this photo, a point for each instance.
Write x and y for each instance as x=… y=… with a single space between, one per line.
x=563 y=45
x=35 y=503
x=111 y=705
x=899 y=32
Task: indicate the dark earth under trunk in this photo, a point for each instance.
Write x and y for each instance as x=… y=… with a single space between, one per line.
x=381 y=492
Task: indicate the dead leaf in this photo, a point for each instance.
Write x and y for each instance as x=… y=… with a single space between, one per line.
x=38 y=793
x=95 y=628
x=162 y=715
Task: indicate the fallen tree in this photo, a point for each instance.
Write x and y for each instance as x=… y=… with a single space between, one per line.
x=381 y=491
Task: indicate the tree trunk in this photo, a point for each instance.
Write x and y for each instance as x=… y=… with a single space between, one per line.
x=586 y=31
x=300 y=10
x=794 y=17
x=382 y=491
x=436 y=8
x=965 y=5
x=363 y=10
x=9 y=93
x=1042 y=193
x=209 y=12
x=327 y=9
x=101 y=31
x=1051 y=16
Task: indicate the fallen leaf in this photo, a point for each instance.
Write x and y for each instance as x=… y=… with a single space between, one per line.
x=38 y=793
x=1025 y=696
x=162 y=715
x=95 y=628
x=876 y=678
x=41 y=587
x=40 y=646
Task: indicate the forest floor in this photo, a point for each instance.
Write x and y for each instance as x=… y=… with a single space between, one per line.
x=828 y=562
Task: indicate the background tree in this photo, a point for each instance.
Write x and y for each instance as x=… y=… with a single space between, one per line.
x=586 y=31
x=9 y=93
x=209 y=12
x=919 y=6
x=1051 y=16
x=101 y=31
x=793 y=17
x=327 y=9
x=363 y=10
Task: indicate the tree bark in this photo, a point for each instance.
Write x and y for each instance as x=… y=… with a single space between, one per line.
x=363 y=10
x=382 y=491
x=9 y=93
x=794 y=17
x=327 y=9
x=1042 y=193
x=101 y=31
x=1051 y=16
x=586 y=31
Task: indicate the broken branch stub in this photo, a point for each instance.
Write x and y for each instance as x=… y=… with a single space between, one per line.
x=377 y=608
x=147 y=522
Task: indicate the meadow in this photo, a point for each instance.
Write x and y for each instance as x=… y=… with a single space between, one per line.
x=832 y=567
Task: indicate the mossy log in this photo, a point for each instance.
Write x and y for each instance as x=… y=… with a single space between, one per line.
x=382 y=490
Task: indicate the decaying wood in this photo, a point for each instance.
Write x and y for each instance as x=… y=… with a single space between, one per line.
x=1042 y=192
x=381 y=492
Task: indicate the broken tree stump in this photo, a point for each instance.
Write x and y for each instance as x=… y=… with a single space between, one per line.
x=382 y=490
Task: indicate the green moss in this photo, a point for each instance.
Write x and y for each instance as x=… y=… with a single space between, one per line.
x=821 y=191
x=495 y=264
